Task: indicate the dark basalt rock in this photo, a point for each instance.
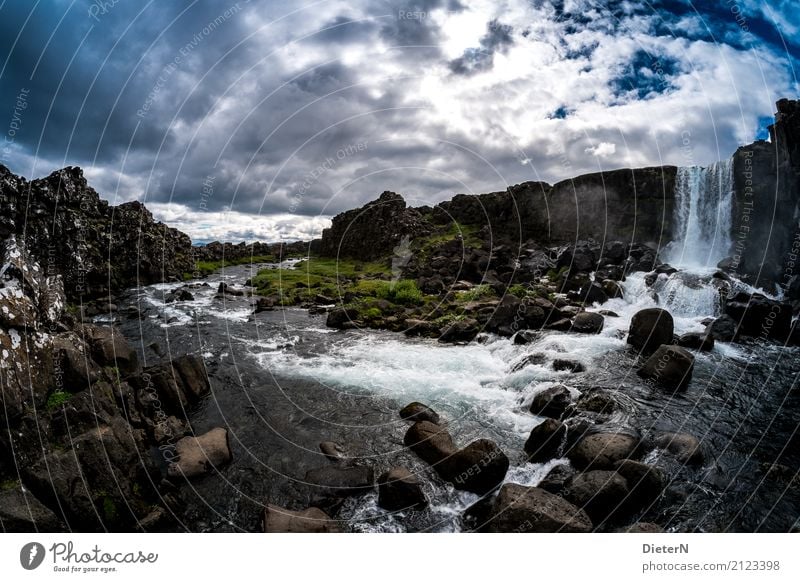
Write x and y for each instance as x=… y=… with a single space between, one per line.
x=430 y=441
x=479 y=467
x=545 y=441
x=399 y=489
x=65 y=225
x=651 y=328
x=587 y=322
x=520 y=509
x=603 y=450
x=722 y=329
x=685 y=447
x=670 y=367
x=552 y=401
x=601 y=494
x=416 y=411
x=312 y=520
x=703 y=342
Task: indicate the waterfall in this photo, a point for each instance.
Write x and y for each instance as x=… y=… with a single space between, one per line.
x=703 y=215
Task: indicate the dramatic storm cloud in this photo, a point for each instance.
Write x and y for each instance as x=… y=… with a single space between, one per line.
x=261 y=119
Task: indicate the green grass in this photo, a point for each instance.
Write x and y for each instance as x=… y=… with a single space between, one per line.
x=9 y=484
x=205 y=268
x=467 y=232
x=57 y=399
x=316 y=275
x=404 y=292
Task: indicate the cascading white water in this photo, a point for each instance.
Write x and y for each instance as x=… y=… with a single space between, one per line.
x=703 y=215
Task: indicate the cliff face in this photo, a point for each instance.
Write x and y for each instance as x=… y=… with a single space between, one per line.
x=97 y=248
x=634 y=206
x=372 y=231
x=767 y=190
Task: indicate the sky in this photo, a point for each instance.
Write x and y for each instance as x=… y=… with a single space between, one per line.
x=259 y=120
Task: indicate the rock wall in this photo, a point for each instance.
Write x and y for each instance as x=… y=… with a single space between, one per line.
x=767 y=190
x=634 y=206
x=97 y=248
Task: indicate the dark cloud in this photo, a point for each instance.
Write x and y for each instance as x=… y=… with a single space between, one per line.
x=475 y=60
x=155 y=97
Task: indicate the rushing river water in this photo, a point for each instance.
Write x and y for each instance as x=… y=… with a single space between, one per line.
x=282 y=382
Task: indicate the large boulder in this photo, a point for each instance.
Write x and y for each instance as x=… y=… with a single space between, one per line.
x=601 y=494
x=312 y=520
x=545 y=440
x=645 y=482
x=552 y=401
x=21 y=512
x=460 y=331
x=588 y=322
x=431 y=442
x=479 y=467
x=416 y=411
x=651 y=328
x=703 y=342
x=670 y=367
x=722 y=329
x=759 y=316
x=603 y=450
x=110 y=348
x=399 y=489
x=520 y=509
x=199 y=455
x=341 y=317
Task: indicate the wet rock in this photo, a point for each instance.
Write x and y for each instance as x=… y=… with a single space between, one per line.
x=557 y=478
x=612 y=289
x=339 y=317
x=74 y=361
x=589 y=294
x=525 y=337
x=641 y=527
x=614 y=252
x=603 y=450
x=607 y=313
x=179 y=295
x=429 y=441
x=552 y=401
x=110 y=348
x=265 y=304
x=399 y=489
x=670 y=367
x=650 y=328
x=479 y=467
x=21 y=512
x=545 y=441
x=596 y=400
x=331 y=450
x=685 y=447
x=226 y=290
x=722 y=329
x=703 y=342
x=508 y=313
x=536 y=359
x=201 y=454
x=416 y=411
x=312 y=520
x=562 y=324
x=463 y=330
x=644 y=481
x=601 y=494
x=759 y=316
x=560 y=365
x=169 y=430
x=587 y=322
x=520 y=509
x=342 y=481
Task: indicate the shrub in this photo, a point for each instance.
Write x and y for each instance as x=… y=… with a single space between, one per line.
x=57 y=398
x=405 y=292
x=371 y=313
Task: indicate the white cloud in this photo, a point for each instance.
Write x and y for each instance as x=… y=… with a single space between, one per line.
x=602 y=150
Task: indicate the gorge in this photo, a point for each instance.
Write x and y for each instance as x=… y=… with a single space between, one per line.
x=613 y=352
